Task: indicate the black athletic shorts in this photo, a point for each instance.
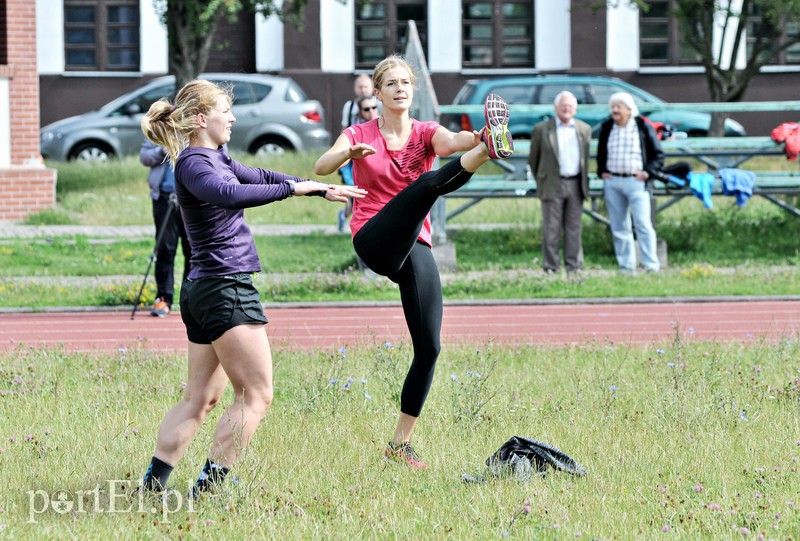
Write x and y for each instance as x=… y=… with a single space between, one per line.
x=210 y=306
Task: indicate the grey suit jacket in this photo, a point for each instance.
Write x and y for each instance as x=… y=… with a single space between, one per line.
x=543 y=157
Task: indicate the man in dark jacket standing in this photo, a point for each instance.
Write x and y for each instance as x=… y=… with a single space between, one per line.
x=628 y=155
x=559 y=160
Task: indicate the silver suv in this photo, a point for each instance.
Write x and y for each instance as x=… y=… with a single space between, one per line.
x=273 y=115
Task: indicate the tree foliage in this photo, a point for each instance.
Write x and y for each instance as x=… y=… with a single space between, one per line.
x=733 y=40
x=192 y=24
x=727 y=80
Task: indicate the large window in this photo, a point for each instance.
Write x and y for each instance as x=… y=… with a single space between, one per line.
x=382 y=28
x=101 y=35
x=756 y=24
x=497 y=33
x=660 y=38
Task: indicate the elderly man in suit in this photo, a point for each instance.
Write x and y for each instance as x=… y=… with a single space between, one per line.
x=559 y=160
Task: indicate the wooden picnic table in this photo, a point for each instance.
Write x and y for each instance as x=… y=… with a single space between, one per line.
x=714 y=152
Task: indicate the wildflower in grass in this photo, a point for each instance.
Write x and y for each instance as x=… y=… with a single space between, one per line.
x=387 y=345
x=698 y=487
x=691 y=330
x=662 y=489
x=671 y=365
x=343 y=352
x=453 y=377
x=660 y=351
x=613 y=388
x=526 y=509
x=334 y=381
x=665 y=528
x=122 y=349
x=713 y=506
x=744 y=530
x=29 y=437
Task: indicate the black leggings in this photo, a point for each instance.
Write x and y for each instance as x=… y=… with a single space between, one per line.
x=388 y=245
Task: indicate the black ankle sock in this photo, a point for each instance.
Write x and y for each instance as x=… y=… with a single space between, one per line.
x=157 y=475
x=211 y=475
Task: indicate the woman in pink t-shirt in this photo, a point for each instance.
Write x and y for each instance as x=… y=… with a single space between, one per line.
x=392 y=157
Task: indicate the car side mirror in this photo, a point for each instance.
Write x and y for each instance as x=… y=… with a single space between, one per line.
x=133 y=109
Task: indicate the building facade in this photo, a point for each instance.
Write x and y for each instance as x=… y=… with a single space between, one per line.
x=91 y=51
x=26 y=185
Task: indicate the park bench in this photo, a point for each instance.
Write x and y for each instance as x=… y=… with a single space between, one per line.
x=714 y=152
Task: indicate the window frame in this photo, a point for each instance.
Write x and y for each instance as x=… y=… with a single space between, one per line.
x=674 y=47
x=394 y=30
x=497 y=42
x=781 y=59
x=102 y=47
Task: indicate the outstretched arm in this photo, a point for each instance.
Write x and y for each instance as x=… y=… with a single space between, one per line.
x=332 y=192
x=339 y=154
x=446 y=142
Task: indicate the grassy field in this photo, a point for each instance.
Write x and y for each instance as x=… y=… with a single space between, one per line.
x=681 y=441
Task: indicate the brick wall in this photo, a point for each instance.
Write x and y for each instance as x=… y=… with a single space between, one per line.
x=26 y=186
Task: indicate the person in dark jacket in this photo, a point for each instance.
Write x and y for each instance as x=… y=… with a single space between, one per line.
x=220 y=306
x=628 y=155
x=162 y=188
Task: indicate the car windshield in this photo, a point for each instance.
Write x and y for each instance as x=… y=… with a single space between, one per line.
x=143 y=101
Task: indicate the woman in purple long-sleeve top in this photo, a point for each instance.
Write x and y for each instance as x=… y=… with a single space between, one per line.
x=219 y=305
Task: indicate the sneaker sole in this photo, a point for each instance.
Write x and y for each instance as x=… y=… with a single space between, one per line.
x=495 y=111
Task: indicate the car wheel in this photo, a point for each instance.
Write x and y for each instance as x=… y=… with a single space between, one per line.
x=91 y=152
x=270 y=147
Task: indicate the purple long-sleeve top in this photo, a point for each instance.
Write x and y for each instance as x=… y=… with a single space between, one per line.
x=213 y=190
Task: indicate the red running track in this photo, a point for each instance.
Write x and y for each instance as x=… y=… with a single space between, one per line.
x=337 y=326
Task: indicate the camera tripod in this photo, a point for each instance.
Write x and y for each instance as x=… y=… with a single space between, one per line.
x=172 y=208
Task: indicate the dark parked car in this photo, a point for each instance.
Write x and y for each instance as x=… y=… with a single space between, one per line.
x=588 y=89
x=273 y=115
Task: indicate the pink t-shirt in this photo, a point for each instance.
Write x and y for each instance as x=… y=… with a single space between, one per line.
x=387 y=172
